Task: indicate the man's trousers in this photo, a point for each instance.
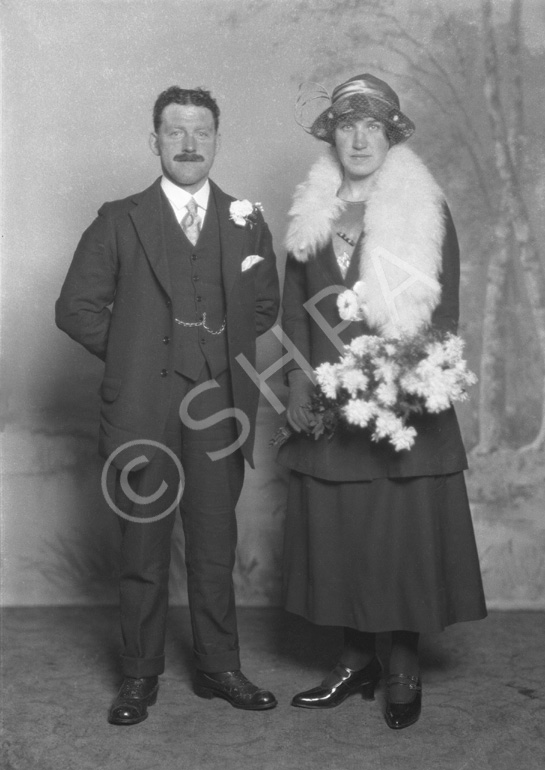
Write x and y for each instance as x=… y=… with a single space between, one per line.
x=210 y=493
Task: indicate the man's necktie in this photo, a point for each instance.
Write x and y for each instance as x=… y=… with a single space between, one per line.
x=191 y=223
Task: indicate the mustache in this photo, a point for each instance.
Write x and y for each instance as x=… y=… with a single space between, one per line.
x=191 y=157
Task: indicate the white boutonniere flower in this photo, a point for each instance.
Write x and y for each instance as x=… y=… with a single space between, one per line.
x=243 y=212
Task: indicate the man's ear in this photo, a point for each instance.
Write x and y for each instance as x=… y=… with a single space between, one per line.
x=154 y=143
x=218 y=142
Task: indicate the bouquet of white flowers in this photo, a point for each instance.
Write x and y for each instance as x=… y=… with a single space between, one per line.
x=379 y=382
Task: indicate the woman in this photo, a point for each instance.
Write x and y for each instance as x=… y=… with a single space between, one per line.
x=377 y=540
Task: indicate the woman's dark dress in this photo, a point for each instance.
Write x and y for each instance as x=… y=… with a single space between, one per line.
x=375 y=539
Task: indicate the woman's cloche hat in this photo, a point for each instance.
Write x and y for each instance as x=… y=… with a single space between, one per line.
x=361 y=96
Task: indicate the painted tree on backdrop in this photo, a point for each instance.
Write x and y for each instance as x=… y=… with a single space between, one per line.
x=508 y=128
x=478 y=140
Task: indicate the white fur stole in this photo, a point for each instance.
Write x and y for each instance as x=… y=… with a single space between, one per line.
x=400 y=258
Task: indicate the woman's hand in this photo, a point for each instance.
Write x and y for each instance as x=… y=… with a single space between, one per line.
x=300 y=418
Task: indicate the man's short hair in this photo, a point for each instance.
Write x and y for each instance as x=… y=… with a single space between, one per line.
x=176 y=95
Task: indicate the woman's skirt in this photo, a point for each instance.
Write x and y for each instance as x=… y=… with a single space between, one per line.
x=382 y=555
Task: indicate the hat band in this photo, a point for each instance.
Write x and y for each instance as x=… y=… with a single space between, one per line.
x=357 y=87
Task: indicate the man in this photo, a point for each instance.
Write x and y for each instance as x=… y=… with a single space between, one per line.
x=168 y=287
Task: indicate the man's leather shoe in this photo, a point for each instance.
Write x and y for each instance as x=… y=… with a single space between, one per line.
x=133 y=699
x=339 y=684
x=400 y=715
x=233 y=687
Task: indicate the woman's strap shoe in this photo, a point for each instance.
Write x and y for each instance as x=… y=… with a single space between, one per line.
x=133 y=699
x=400 y=715
x=339 y=684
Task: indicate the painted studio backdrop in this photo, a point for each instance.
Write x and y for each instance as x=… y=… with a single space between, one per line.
x=79 y=81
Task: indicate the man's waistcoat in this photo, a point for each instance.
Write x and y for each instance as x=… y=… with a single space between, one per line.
x=197 y=293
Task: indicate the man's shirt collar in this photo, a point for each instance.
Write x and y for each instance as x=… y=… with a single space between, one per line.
x=179 y=198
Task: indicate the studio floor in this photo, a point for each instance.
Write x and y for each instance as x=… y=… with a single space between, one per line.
x=483 y=699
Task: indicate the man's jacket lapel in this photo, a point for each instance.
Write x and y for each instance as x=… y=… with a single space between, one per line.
x=147 y=216
x=232 y=240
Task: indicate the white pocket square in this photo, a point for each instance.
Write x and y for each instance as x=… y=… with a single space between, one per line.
x=250 y=261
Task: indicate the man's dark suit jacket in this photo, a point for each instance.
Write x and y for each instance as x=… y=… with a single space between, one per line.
x=116 y=302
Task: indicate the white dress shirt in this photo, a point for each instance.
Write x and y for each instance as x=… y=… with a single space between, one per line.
x=179 y=198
